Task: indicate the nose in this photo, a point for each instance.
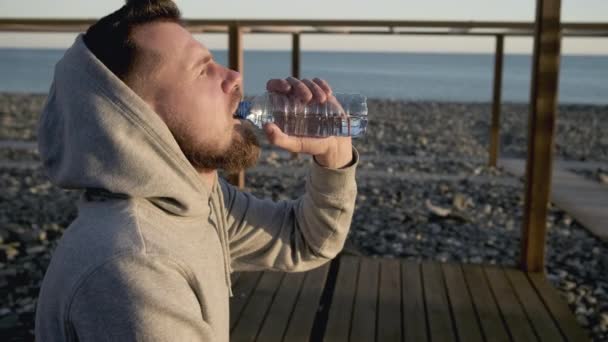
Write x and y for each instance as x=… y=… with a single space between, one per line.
x=232 y=80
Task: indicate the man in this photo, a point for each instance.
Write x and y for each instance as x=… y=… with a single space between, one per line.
x=139 y=116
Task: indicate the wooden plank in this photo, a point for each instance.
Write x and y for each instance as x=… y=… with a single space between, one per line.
x=536 y=311
x=235 y=62
x=255 y=311
x=241 y=293
x=363 y=326
x=541 y=127
x=582 y=199
x=496 y=100
x=465 y=317
x=389 y=301
x=340 y=312
x=510 y=308
x=491 y=322
x=558 y=308
x=414 y=312
x=437 y=305
x=308 y=303
x=282 y=307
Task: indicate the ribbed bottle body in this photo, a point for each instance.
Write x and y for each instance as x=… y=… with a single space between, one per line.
x=341 y=115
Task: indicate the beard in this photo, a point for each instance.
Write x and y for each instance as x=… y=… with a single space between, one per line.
x=243 y=151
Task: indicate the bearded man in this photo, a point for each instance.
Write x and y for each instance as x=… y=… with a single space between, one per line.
x=140 y=117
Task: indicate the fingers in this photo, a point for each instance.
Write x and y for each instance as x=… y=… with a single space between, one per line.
x=278 y=86
x=300 y=90
x=323 y=85
x=306 y=90
x=318 y=93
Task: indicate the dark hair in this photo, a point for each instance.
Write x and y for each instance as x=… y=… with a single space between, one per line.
x=110 y=38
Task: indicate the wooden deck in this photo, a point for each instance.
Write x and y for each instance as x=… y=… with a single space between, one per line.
x=369 y=299
x=583 y=199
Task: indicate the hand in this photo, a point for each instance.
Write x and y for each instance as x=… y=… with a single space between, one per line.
x=332 y=152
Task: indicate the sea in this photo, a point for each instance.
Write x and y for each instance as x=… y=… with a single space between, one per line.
x=442 y=77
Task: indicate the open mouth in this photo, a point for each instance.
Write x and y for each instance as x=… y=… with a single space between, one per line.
x=234 y=108
x=237 y=96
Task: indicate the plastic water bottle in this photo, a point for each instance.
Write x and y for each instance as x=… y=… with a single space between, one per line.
x=340 y=115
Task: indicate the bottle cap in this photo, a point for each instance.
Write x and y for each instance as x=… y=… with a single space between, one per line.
x=243 y=110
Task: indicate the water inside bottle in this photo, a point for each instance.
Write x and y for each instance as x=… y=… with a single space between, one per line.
x=320 y=125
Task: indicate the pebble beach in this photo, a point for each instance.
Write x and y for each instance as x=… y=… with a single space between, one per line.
x=425 y=192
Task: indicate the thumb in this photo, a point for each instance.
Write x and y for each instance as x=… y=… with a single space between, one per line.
x=278 y=138
x=271 y=131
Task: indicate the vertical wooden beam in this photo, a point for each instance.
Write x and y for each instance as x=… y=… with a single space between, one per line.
x=541 y=126
x=235 y=47
x=235 y=62
x=295 y=55
x=495 y=129
x=295 y=66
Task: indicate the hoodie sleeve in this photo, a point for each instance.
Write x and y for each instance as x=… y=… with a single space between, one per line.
x=292 y=236
x=138 y=298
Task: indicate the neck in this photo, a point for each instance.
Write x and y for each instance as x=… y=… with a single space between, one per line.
x=208 y=177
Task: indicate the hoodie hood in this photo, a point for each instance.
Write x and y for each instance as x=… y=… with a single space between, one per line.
x=96 y=133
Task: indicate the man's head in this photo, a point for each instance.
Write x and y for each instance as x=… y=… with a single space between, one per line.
x=146 y=46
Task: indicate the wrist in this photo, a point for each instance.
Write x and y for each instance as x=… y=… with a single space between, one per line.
x=336 y=156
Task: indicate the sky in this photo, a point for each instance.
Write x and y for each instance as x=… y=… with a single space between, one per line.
x=475 y=10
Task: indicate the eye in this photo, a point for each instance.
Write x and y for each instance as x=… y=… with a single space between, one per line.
x=203 y=72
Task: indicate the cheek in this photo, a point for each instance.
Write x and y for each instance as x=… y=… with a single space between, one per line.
x=212 y=124
x=209 y=115
x=201 y=111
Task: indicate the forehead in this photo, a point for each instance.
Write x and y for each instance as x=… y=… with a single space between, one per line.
x=169 y=40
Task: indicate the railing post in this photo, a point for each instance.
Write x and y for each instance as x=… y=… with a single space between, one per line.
x=295 y=55
x=541 y=126
x=495 y=129
x=235 y=62
x=295 y=66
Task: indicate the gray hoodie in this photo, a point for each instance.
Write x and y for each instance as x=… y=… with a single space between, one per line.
x=150 y=254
